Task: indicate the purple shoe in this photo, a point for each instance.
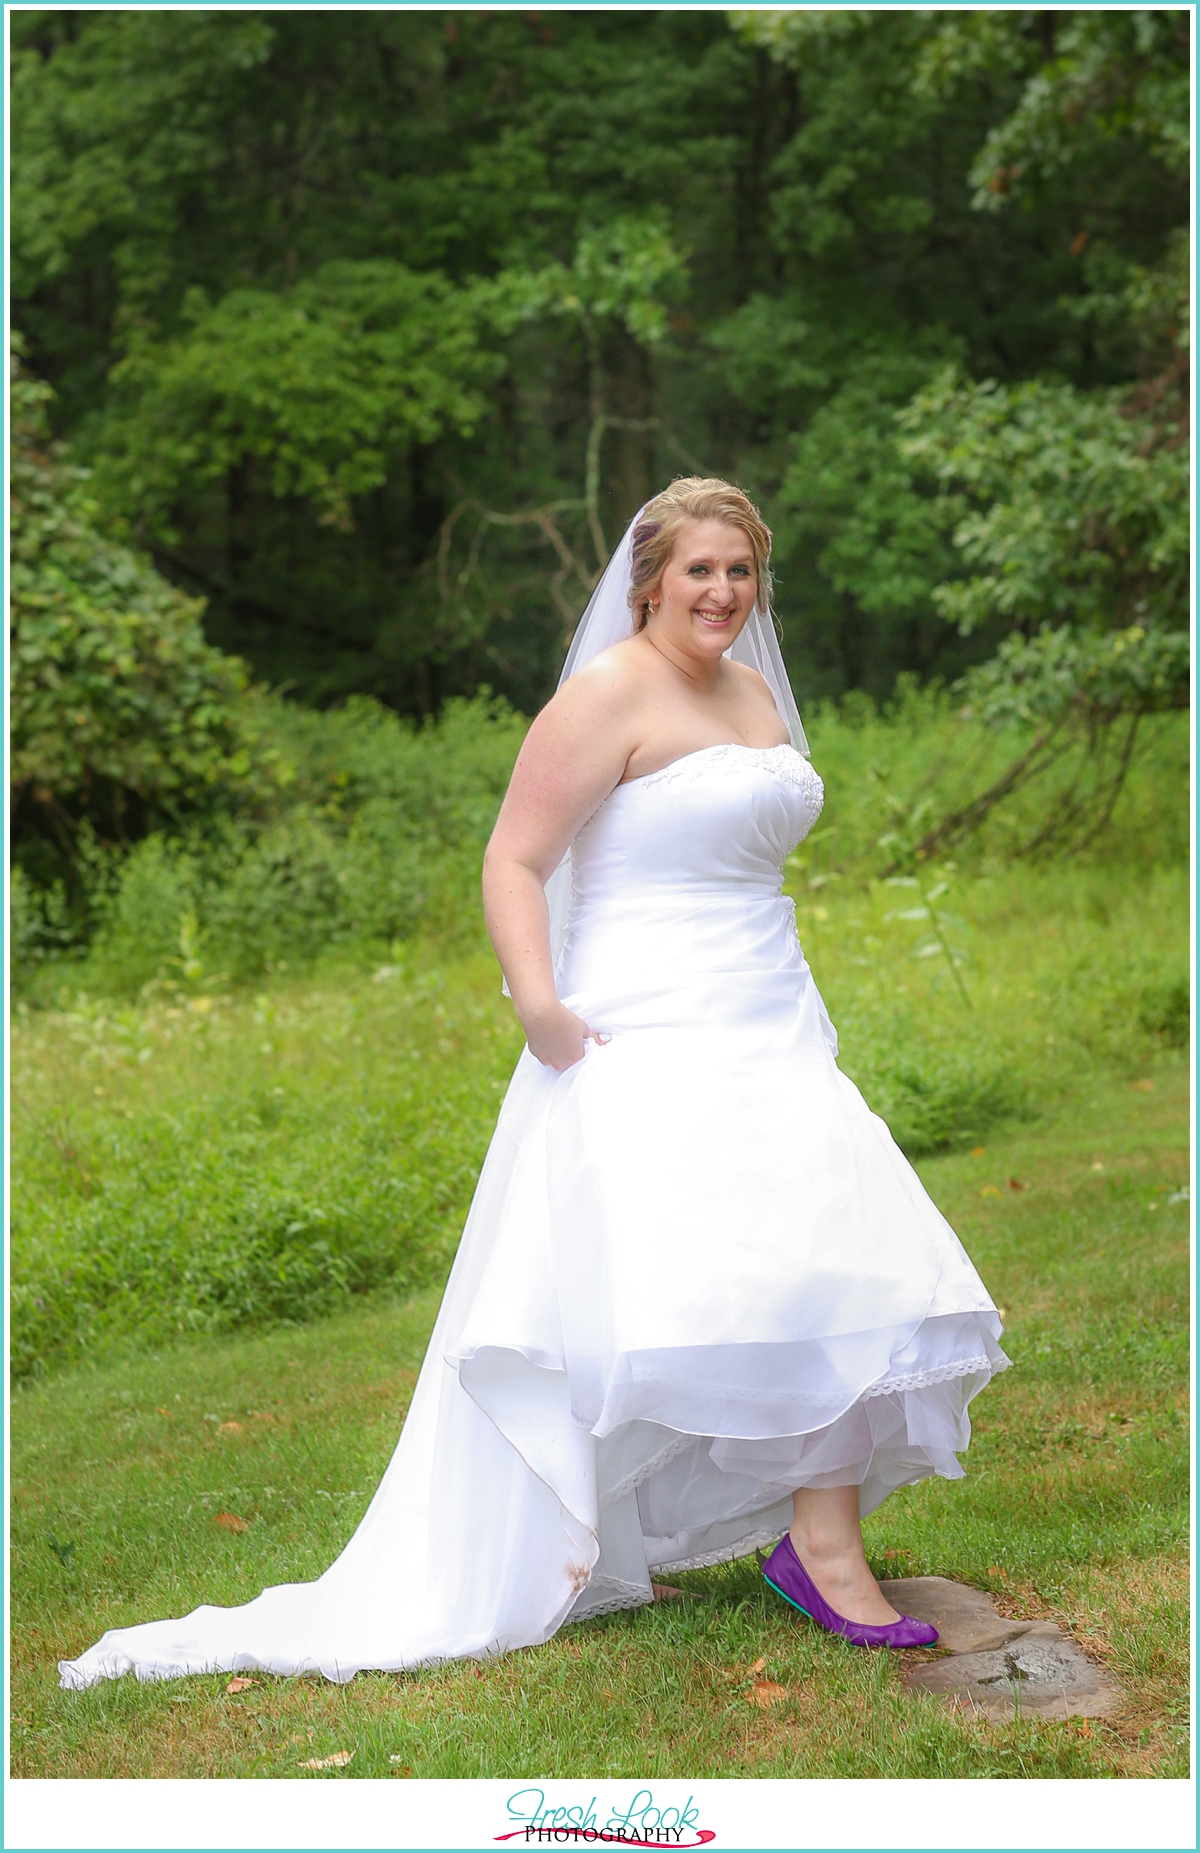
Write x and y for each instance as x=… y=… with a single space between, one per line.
x=788 y=1577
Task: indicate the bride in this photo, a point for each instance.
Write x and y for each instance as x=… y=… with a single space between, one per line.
x=701 y=1299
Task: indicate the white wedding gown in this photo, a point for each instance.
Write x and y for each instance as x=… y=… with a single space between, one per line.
x=697 y=1274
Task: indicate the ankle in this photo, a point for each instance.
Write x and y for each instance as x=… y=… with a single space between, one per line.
x=816 y=1548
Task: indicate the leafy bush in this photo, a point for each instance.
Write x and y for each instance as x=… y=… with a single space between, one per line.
x=935 y=1096
x=153 y=896
x=1166 y=1010
x=122 y=714
x=40 y=926
x=940 y=1106
x=897 y=774
x=379 y=836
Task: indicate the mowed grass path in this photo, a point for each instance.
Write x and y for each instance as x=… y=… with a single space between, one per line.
x=1074 y=1508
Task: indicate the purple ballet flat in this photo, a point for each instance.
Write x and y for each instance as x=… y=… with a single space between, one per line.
x=788 y=1577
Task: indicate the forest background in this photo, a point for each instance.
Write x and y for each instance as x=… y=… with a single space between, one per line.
x=371 y=331
x=347 y=344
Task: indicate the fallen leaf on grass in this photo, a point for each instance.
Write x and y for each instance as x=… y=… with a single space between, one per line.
x=990 y=1190
x=161 y=1409
x=1014 y=1183
x=338 y=1760
x=1144 y=1087
x=977 y=1151
x=758 y=1666
x=404 y=1769
x=765 y=1692
x=229 y=1428
x=240 y=1685
x=666 y=1592
x=229 y=1521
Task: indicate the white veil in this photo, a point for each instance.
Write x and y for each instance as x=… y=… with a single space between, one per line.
x=608 y=620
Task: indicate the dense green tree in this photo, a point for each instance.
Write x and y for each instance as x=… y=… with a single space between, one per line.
x=123 y=716
x=377 y=326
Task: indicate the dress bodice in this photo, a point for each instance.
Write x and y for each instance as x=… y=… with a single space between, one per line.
x=677 y=917
x=718 y=820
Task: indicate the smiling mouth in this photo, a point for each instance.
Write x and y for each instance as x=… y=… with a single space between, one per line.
x=715 y=617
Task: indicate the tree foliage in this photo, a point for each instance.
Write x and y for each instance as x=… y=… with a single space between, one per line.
x=1064 y=507
x=322 y=385
x=379 y=325
x=122 y=714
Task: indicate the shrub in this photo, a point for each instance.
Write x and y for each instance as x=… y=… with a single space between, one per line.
x=936 y=1094
x=1166 y=1010
x=376 y=834
x=153 y=895
x=122 y=714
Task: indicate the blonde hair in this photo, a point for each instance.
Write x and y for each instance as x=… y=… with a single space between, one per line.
x=693 y=498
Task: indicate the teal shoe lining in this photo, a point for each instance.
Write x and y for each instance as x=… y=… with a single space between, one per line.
x=779 y=1592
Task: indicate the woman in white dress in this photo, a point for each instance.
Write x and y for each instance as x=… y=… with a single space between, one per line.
x=701 y=1298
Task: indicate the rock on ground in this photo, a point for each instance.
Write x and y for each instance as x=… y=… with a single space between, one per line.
x=997 y=1666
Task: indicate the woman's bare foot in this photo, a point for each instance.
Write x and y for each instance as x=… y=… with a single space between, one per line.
x=827 y=1538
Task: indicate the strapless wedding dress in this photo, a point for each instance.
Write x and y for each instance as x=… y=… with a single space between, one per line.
x=697 y=1274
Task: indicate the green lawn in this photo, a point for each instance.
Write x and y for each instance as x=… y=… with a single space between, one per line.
x=1074 y=1506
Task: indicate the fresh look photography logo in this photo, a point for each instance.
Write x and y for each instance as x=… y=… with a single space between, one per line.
x=644 y=1820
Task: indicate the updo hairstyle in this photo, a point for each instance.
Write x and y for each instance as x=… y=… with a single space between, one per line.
x=693 y=498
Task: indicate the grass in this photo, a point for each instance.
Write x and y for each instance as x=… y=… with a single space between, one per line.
x=1074 y=1508
x=234 y=1212
x=217 y=1160
x=226 y=1161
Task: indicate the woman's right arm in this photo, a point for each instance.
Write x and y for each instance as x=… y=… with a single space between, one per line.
x=574 y=754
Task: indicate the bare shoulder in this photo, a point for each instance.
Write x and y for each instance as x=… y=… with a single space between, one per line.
x=621 y=671
x=752 y=684
x=577 y=748
x=606 y=693
x=755 y=691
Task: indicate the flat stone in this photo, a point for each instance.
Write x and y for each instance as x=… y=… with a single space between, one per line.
x=965 y=1618
x=1043 y=1674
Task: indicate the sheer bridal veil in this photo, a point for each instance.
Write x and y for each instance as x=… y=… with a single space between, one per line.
x=608 y=620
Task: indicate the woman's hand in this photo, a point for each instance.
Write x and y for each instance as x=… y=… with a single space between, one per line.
x=557 y=1036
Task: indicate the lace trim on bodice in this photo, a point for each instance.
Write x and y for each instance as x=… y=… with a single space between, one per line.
x=784 y=761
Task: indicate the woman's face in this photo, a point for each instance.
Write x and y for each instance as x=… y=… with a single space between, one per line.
x=707 y=590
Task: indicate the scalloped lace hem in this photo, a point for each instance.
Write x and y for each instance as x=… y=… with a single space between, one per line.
x=833 y=1399
x=648 y=1469
x=624 y=1596
x=943 y=1373
x=729 y=1553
